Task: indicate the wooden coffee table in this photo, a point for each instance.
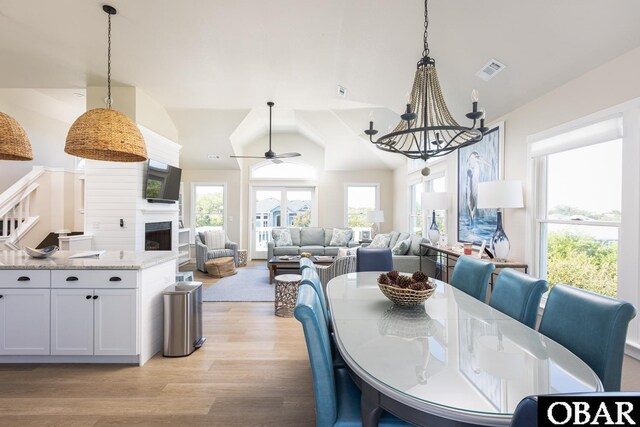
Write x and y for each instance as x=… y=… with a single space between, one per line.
x=276 y=264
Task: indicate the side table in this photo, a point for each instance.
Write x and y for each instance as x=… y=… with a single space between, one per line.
x=286 y=290
x=242 y=257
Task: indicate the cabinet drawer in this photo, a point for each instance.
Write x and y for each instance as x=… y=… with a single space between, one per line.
x=96 y=279
x=25 y=279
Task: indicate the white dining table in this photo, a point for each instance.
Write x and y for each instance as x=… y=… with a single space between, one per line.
x=452 y=360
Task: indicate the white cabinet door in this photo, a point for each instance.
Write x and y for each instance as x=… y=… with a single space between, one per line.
x=24 y=321
x=72 y=321
x=116 y=323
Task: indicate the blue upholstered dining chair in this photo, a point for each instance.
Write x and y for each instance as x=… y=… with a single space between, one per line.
x=306 y=263
x=374 y=259
x=471 y=276
x=591 y=326
x=337 y=397
x=518 y=295
x=310 y=277
x=526 y=413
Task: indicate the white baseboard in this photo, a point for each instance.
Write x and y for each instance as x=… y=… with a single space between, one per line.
x=632 y=349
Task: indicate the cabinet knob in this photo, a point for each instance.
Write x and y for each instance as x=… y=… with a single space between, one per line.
x=88 y=297
x=95 y=297
x=115 y=279
x=24 y=279
x=72 y=279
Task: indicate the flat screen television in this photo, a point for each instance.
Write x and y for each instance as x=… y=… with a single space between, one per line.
x=162 y=183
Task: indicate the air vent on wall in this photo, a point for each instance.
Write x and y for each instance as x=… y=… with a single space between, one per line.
x=490 y=70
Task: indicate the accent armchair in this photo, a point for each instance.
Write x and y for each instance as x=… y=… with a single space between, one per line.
x=339 y=267
x=204 y=254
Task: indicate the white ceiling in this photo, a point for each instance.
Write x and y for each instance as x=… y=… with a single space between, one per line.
x=214 y=64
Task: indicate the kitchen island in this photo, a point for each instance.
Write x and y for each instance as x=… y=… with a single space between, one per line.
x=105 y=309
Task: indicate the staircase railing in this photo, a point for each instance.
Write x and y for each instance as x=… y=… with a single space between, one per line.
x=16 y=216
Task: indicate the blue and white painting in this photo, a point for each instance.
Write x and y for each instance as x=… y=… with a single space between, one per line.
x=477 y=163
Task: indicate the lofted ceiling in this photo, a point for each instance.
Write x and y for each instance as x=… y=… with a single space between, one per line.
x=214 y=64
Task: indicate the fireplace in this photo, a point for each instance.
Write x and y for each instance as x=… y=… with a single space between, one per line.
x=157 y=236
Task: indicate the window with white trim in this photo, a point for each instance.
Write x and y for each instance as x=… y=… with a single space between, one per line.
x=360 y=199
x=415 y=208
x=208 y=206
x=578 y=209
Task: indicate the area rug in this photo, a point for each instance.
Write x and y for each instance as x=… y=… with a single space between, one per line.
x=249 y=284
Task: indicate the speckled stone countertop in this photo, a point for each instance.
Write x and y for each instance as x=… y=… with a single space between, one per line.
x=110 y=260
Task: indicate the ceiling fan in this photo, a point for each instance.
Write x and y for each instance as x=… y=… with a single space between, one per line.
x=270 y=155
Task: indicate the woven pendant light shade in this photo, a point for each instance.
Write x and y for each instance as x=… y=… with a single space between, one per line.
x=103 y=134
x=14 y=143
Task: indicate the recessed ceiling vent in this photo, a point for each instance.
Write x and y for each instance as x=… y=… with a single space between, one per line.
x=490 y=70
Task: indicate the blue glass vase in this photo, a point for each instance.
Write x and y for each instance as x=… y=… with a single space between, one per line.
x=499 y=241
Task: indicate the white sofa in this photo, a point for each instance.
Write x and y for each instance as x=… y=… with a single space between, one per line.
x=315 y=240
x=410 y=262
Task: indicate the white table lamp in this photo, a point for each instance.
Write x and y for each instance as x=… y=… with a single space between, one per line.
x=500 y=195
x=434 y=200
x=375 y=217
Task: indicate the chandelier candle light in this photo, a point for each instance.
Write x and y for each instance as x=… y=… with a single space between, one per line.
x=500 y=195
x=103 y=133
x=426 y=128
x=434 y=200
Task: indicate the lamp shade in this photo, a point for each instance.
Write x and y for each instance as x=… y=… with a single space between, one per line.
x=500 y=194
x=14 y=143
x=435 y=200
x=375 y=216
x=105 y=134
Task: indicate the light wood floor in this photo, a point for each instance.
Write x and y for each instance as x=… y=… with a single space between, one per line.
x=253 y=370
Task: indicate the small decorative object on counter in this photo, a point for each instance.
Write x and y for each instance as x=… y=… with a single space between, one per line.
x=406 y=290
x=305 y=254
x=467 y=248
x=41 y=253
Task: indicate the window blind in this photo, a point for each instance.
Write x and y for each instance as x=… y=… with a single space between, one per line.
x=606 y=130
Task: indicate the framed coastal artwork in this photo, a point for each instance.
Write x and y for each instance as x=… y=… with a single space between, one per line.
x=480 y=162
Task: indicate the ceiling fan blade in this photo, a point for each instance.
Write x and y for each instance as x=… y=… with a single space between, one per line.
x=248 y=157
x=276 y=161
x=284 y=155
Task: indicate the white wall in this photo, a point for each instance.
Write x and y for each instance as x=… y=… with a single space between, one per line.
x=114 y=192
x=46 y=122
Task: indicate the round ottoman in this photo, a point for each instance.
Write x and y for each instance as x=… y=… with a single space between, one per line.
x=286 y=294
x=221 y=267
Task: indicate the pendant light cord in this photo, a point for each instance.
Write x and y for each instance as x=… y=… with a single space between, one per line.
x=109 y=64
x=425 y=52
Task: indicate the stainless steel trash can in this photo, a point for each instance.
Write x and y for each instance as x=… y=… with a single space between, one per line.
x=182 y=319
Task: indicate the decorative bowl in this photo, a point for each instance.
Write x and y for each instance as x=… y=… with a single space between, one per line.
x=305 y=254
x=45 y=252
x=405 y=296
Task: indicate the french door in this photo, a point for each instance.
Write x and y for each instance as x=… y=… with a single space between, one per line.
x=274 y=207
